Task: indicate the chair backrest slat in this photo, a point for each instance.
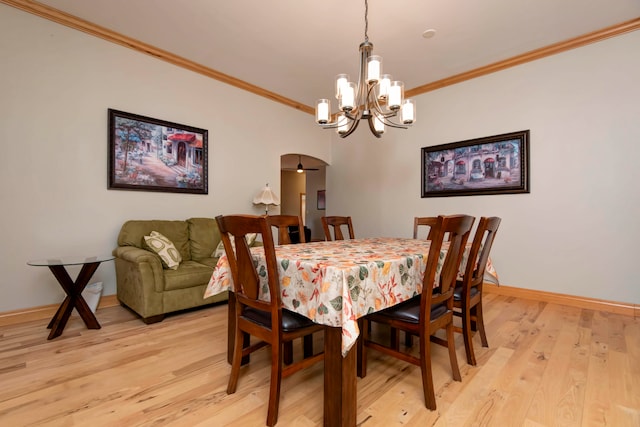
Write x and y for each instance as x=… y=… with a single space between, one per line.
x=425 y=221
x=458 y=228
x=283 y=222
x=337 y=222
x=480 y=249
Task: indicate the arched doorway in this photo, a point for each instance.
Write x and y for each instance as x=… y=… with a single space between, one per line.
x=308 y=182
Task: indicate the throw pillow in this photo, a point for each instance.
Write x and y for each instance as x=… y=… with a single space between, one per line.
x=165 y=249
x=251 y=238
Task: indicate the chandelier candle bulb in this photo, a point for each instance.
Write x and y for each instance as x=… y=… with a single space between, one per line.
x=383 y=86
x=323 y=108
x=347 y=100
x=396 y=93
x=374 y=68
x=342 y=80
x=408 y=112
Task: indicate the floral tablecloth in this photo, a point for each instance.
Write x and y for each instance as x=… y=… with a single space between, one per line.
x=335 y=283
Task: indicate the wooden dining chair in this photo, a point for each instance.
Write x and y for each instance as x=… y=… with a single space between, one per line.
x=425 y=314
x=424 y=221
x=337 y=222
x=268 y=321
x=282 y=223
x=467 y=297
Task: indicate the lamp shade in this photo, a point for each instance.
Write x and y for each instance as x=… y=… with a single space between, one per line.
x=266 y=197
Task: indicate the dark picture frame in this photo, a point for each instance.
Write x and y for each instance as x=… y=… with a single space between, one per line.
x=321 y=200
x=149 y=154
x=497 y=164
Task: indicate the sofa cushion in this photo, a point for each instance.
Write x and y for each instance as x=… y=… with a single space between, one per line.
x=165 y=249
x=132 y=234
x=204 y=237
x=209 y=262
x=188 y=275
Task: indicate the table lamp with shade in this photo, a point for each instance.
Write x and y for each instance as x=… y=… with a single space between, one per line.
x=266 y=197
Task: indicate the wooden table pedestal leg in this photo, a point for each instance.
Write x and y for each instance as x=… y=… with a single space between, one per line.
x=340 y=400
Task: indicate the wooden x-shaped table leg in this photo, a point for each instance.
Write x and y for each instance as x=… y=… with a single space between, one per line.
x=73 y=299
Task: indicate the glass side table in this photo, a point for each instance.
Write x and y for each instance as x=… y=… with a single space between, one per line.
x=73 y=289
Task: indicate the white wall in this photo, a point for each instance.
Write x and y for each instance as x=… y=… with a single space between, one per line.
x=56 y=85
x=577 y=231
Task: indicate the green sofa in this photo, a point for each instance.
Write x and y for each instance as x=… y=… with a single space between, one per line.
x=151 y=290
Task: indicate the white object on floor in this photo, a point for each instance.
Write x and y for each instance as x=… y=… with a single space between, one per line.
x=91 y=295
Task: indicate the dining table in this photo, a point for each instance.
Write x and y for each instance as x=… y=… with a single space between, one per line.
x=334 y=283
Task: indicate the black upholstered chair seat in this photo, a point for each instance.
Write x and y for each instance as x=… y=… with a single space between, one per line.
x=457 y=293
x=290 y=321
x=409 y=311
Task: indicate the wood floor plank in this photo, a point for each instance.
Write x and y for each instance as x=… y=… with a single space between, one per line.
x=624 y=410
x=478 y=392
x=534 y=332
x=597 y=405
x=552 y=399
x=547 y=364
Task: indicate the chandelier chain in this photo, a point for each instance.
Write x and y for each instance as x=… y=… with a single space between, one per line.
x=366 y=20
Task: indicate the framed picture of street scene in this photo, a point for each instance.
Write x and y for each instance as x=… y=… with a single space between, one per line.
x=497 y=164
x=155 y=155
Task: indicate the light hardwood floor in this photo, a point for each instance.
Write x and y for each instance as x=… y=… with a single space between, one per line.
x=547 y=365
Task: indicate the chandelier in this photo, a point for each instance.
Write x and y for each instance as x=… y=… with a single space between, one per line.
x=375 y=98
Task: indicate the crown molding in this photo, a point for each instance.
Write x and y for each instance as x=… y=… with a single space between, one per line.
x=87 y=27
x=74 y=22
x=574 y=43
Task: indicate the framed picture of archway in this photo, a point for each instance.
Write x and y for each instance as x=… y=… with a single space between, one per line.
x=497 y=164
x=156 y=155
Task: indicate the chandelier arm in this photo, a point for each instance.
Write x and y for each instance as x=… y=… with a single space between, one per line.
x=355 y=116
x=335 y=123
x=331 y=125
x=363 y=91
x=385 y=112
x=371 y=99
x=394 y=125
x=372 y=128
x=352 y=127
x=386 y=119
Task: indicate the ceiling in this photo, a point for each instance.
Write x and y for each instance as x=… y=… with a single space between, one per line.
x=295 y=48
